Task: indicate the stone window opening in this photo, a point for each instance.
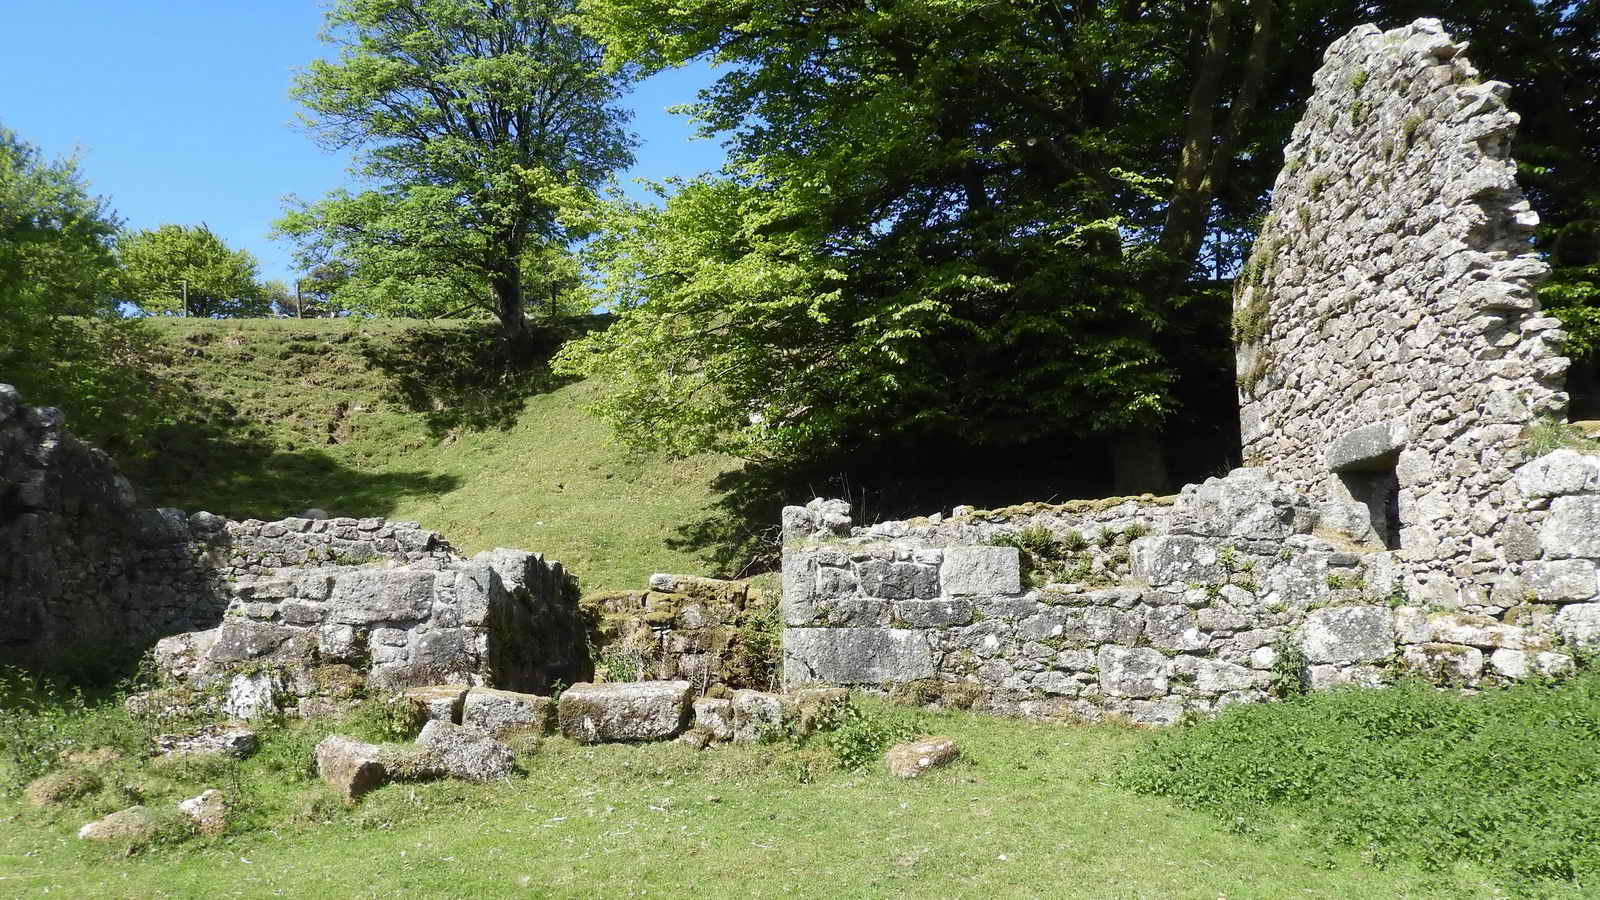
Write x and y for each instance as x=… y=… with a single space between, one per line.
x=1378 y=489
x=1365 y=461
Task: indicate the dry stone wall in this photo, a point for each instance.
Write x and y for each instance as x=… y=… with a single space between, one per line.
x=304 y=637
x=1390 y=348
x=81 y=561
x=718 y=635
x=261 y=615
x=1240 y=594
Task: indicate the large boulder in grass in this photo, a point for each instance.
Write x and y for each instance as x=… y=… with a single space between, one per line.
x=628 y=711
x=498 y=712
x=61 y=787
x=349 y=766
x=465 y=752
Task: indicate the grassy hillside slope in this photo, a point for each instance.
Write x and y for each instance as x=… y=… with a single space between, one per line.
x=369 y=418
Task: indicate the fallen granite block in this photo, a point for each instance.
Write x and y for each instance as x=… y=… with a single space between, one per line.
x=439 y=702
x=349 y=766
x=208 y=811
x=498 y=712
x=466 y=752
x=628 y=711
x=714 y=716
x=912 y=759
x=132 y=825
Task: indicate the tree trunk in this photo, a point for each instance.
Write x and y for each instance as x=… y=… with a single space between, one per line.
x=507 y=286
x=1137 y=464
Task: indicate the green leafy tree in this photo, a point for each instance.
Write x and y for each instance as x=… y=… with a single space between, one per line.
x=484 y=128
x=164 y=268
x=61 y=340
x=961 y=217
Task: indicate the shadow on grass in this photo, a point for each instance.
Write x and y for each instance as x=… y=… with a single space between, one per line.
x=470 y=377
x=220 y=469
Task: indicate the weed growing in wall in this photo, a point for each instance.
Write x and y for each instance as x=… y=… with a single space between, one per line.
x=1550 y=435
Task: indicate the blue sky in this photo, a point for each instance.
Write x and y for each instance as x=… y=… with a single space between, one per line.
x=180 y=110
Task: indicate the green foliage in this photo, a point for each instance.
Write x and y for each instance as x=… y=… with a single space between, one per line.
x=1291 y=670
x=42 y=718
x=1509 y=779
x=61 y=341
x=157 y=264
x=977 y=242
x=1047 y=558
x=1550 y=435
x=486 y=130
x=386 y=719
x=861 y=734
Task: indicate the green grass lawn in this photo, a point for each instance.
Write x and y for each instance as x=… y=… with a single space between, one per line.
x=1028 y=812
x=283 y=415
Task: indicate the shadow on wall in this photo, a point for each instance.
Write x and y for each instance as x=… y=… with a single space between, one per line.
x=470 y=377
x=738 y=535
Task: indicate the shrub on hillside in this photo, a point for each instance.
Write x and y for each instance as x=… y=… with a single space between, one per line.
x=1509 y=779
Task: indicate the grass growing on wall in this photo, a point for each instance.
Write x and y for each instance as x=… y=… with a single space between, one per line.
x=1508 y=779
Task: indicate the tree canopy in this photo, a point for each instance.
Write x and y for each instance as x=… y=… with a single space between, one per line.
x=163 y=268
x=484 y=128
x=959 y=217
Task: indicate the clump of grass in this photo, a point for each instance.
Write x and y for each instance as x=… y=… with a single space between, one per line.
x=1509 y=779
x=1548 y=436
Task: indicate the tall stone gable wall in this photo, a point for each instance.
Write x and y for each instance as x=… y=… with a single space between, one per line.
x=1386 y=323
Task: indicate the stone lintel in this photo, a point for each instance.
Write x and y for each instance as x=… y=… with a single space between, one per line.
x=1369 y=447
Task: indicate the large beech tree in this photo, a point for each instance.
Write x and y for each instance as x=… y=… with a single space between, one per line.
x=483 y=126
x=960 y=217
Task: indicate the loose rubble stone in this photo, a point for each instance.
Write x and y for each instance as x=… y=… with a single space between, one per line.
x=227 y=739
x=465 y=752
x=629 y=711
x=132 y=825
x=208 y=811
x=349 y=766
x=912 y=759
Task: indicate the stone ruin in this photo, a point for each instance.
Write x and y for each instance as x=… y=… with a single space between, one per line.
x=299 y=614
x=1391 y=359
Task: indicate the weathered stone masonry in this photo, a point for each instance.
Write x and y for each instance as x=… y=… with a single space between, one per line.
x=1390 y=357
x=309 y=609
x=1390 y=348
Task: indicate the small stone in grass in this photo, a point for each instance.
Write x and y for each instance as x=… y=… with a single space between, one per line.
x=912 y=759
